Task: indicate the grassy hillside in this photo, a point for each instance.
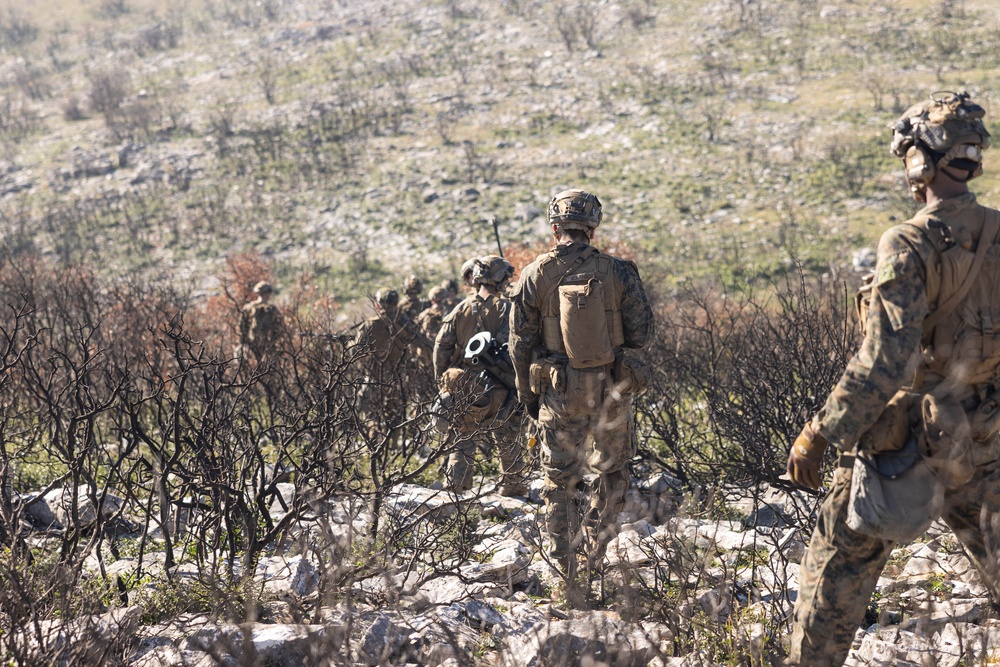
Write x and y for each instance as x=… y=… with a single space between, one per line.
x=359 y=141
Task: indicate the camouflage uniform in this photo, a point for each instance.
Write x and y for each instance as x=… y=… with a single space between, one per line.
x=473 y=315
x=841 y=566
x=411 y=304
x=260 y=327
x=585 y=427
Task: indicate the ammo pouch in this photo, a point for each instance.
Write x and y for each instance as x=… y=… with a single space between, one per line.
x=584 y=321
x=547 y=373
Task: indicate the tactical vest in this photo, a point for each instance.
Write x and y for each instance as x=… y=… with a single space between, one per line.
x=961 y=335
x=580 y=304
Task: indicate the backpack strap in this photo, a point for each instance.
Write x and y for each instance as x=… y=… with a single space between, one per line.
x=555 y=284
x=991 y=227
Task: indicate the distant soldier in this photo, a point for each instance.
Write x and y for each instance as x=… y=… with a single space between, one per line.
x=923 y=388
x=411 y=304
x=482 y=388
x=384 y=336
x=575 y=311
x=261 y=324
x=450 y=286
x=430 y=318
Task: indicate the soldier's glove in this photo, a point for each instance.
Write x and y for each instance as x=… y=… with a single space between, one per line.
x=805 y=457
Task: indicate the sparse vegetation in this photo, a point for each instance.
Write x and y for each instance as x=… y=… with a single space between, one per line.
x=158 y=162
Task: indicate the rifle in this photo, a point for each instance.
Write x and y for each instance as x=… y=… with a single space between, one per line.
x=496 y=234
x=329 y=337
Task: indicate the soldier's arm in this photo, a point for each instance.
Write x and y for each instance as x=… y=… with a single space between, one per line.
x=444 y=345
x=637 y=314
x=890 y=352
x=525 y=329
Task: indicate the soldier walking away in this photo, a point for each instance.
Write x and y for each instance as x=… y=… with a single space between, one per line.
x=479 y=389
x=925 y=378
x=261 y=324
x=382 y=341
x=430 y=319
x=411 y=304
x=451 y=287
x=575 y=311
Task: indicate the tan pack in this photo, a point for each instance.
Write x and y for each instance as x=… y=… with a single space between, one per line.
x=583 y=321
x=580 y=303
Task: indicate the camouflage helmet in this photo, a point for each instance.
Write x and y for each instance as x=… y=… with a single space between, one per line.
x=413 y=286
x=492 y=270
x=450 y=285
x=467 y=268
x=575 y=209
x=438 y=294
x=263 y=287
x=386 y=298
x=945 y=130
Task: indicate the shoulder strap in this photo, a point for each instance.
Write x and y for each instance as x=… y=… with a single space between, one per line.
x=577 y=262
x=991 y=227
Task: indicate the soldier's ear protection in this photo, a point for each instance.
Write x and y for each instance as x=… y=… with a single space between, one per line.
x=920 y=167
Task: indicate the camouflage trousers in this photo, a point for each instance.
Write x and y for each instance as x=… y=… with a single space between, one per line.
x=505 y=438
x=586 y=436
x=841 y=567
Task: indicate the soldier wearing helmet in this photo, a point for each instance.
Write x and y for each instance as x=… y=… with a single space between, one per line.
x=925 y=376
x=575 y=311
x=483 y=397
x=430 y=318
x=411 y=304
x=261 y=324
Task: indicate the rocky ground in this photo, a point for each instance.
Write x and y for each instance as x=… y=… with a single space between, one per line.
x=676 y=590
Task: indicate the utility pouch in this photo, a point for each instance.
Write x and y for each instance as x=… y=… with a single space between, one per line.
x=863 y=301
x=583 y=321
x=947 y=439
x=894 y=495
x=892 y=429
x=547 y=373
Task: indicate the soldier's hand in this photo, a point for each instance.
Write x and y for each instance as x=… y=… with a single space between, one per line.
x=531 y=404
x=805 y=458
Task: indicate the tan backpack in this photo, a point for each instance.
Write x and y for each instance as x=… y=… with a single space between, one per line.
x=581 y=309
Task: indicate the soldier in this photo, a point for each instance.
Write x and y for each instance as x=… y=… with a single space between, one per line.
x=466 y=273
x=430 y=318
x=575 y=310
x=484 y=400
x=450 y=286
x=261 y=323
x=926 y=360
x=411 y=304
x=384 y=336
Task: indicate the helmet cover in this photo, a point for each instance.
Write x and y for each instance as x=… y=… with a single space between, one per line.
x=575 y=209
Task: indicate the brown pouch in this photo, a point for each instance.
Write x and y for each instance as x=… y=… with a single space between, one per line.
x=891 y=430
x=947 y=439
x=584 y=323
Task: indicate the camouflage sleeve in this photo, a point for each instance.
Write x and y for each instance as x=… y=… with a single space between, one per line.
x=444 y=345
x=890 y=351
x=637 y=314
x=525 y=330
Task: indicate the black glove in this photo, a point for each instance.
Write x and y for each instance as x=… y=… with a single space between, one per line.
x=532 y=409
